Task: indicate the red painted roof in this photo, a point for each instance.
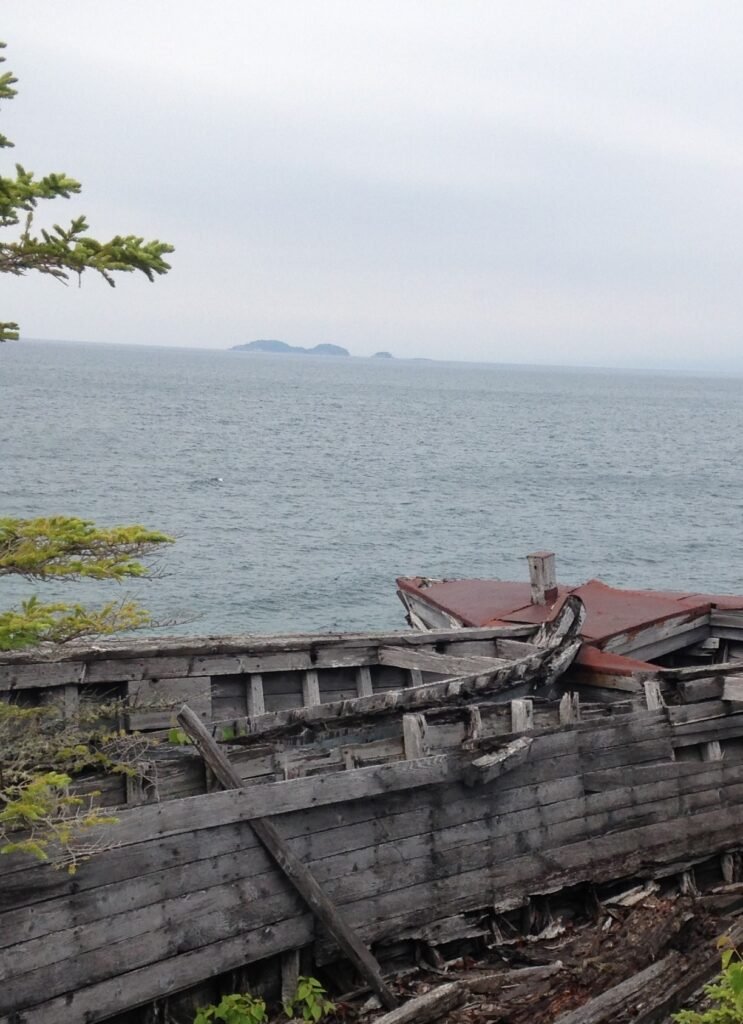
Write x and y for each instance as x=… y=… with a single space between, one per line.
x=609 y=610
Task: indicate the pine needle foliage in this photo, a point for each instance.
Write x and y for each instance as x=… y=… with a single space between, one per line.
x=49 y=548
x=61 y=251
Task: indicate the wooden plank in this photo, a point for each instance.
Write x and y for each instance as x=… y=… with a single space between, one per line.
x=23 y=677
x=429 y=661
x=289 y=974
x=414 y=730
x=522 y=715
x=675 y=642
x=254 y=696
x=569 y=712
x=364 y=686
x=653 y=695
x=429 y=1006
x=680 y=630
x=416 y=677
x=628 y=995
x=153 y=703
x=732 y=688
x=135 y=988
x=493 y=766
x=310 y=688
x=700 y=689
x=293 y=868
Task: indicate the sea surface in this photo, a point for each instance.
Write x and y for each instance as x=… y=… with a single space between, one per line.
x=298 y=488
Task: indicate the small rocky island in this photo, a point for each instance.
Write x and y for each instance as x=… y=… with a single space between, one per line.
x=281 y=347
x=383 y=355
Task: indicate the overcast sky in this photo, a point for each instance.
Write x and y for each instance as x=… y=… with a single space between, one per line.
x=547 y=182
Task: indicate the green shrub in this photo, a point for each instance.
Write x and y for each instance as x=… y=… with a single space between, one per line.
x=310 y=1001
x=725 y=993
x=240 y=1008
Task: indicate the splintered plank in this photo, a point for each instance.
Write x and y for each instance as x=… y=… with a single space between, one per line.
x=493 y=766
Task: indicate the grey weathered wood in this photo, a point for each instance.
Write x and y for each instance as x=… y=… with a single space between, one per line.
x=522 y=715
x=416 y=677
x=492 y=766
x=542 y=577
x=444 y=664
x=153 y=703
x=702 y=672
x=414 y=733
x=492 y=871
x=671 y=633
x=653 y=695
x=310 y=688
x=732 y=688
x=254 y=696
x=569 y=712
x=473 y=725
x=292 y=867
x=289 y=974
x=364 y=686
x=608 y=1006
x=430 y=1005
x=543 y=667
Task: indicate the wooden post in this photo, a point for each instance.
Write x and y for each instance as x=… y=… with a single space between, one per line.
x=653 y=694
x=522 y=715
x=364 y=686
x=416 y=677
x=542 y=577
x=310 y=688
x=414 y=736
x=473 y=726
x=256 y=703
x=569 y=712
x=289 y=974
x=300 y=876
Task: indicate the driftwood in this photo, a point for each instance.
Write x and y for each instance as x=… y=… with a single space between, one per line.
x=302 y=879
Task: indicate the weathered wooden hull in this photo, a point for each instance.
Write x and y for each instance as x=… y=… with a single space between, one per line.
x=422 y=812
x=403 y=849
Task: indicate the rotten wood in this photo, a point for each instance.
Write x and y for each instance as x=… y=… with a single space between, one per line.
x=299 y=875
x=430 y=1006
x=492 y=766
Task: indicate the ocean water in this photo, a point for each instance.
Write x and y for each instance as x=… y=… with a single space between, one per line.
x=298 y=488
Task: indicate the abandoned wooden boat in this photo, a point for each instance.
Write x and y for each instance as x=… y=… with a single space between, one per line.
x=628 y=634
x=387 y=818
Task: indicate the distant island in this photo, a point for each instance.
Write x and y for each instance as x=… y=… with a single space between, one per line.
x=383 y=355
x=282 y=348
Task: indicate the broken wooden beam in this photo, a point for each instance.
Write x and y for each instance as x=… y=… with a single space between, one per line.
x=429 y=1006
x=443 y=664
x=491 y=766
x=556 y=653
x=300 y=876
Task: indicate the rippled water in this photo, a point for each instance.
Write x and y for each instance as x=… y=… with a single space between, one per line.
x=298 y=488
